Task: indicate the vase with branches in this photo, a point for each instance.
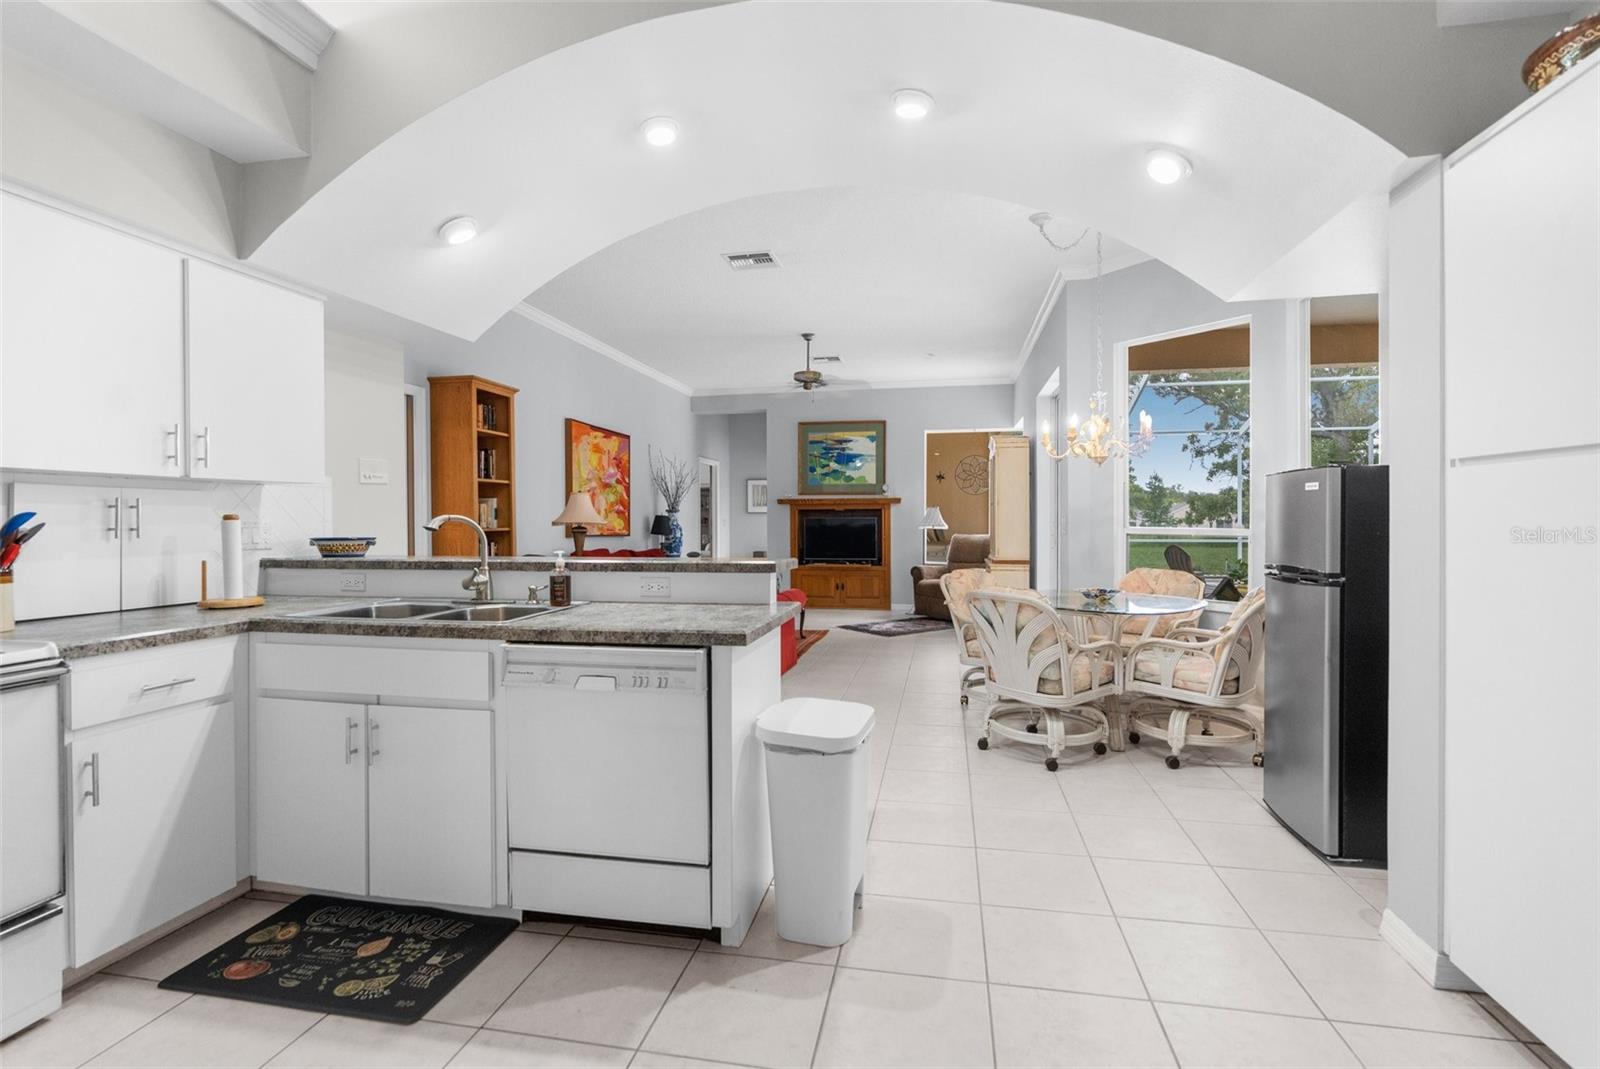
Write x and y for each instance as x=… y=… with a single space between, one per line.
x=673 y=479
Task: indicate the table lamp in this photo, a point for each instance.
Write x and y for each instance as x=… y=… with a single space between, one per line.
x=578 y=517
x=661 y=526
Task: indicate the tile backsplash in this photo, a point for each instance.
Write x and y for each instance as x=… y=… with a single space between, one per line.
x=278 y=519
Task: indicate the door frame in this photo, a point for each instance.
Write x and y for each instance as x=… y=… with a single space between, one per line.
x=421 y=471
x=922 y=488
x=719 y=506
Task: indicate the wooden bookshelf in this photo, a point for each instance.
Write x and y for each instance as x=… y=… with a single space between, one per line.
x=474 y=449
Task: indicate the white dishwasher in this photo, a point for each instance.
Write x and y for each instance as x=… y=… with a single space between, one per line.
x=609 y=782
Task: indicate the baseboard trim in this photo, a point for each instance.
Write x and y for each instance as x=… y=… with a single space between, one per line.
x=1433 y=966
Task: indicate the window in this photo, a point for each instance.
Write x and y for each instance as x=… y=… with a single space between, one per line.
x=1344 y=414
x=1192 y=489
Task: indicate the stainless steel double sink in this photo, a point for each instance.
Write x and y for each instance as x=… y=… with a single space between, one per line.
x=490 y=612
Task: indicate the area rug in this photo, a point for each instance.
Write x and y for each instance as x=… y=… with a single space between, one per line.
x=345 y=956
x=811 y=638
x=906 y=625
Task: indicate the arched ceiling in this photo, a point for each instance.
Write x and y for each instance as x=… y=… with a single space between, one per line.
x=1035 y=108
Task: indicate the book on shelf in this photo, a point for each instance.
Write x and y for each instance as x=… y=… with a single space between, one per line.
x=486 y=417
x=488 y=512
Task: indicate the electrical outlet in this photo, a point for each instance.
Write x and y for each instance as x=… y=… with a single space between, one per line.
x=655 y=588
x=353 y=582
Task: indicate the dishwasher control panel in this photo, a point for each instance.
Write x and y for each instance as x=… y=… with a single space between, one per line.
x=596 y=677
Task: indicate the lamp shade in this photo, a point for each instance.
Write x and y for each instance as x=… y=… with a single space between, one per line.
x=579 y=510
x=661 y=526
x=933 y=519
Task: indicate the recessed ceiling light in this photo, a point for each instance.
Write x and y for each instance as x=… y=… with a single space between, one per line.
x=912 y=104
x=458 y=231
x=659 y=131
x=1166 y=166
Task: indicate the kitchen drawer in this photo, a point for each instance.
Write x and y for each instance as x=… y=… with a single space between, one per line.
x=608 y=889
x=435 y=675
x=121 y=685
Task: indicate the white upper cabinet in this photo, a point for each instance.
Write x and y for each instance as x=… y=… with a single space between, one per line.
x=255 y=379
x=93 y=347
x=1522 y=268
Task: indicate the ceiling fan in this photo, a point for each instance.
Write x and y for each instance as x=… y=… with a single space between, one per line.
x=811 y=379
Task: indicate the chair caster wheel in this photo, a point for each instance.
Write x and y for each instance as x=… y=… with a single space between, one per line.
x=983 y=744
x=1258 y=760
x=1033 y=729
x=1172 y=761
x=1133 y=737
x=1099 y=748
x=1051 y=764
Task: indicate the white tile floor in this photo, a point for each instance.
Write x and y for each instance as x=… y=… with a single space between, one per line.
x=1114 y=913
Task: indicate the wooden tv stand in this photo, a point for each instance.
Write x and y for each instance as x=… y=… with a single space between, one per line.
x=842 y=586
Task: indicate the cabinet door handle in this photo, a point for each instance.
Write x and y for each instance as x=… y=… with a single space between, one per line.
x=136 y=528
x=148 y=687
x=172 y=456
x=372 y=740
x=116 y=518
x=350 y=747
x=93 y=793
x=205 y=438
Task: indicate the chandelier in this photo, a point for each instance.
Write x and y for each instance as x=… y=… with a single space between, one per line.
x=1104 y=434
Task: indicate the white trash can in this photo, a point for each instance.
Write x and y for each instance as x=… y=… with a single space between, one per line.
x=817 y=760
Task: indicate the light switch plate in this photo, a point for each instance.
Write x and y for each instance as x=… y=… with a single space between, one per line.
x=374 y=471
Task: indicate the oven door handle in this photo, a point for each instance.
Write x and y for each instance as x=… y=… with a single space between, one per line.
x=47 y=674
x=29 y=920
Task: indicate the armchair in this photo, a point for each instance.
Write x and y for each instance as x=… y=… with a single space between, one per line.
x=1192 y=673
x=1165 y=581
x=956 y=587
x=966 y=551
x=1038 y=673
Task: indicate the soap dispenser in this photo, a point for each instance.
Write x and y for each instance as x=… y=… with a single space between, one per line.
x=560 y=584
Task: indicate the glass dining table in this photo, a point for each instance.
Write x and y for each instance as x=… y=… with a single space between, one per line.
x=1097 y=618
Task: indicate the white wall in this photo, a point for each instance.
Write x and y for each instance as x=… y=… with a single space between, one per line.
x=365 y=409
x=908 y=413
x=1412 y=369
x=747 y=444
x=1140 y=302
x=559 y=378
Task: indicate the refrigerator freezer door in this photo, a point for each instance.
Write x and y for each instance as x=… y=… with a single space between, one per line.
x=1303 y=520
x=1302 y=743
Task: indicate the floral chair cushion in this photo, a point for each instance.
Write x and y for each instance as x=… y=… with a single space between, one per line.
x=1166 y=582
x=1193 y=673
x=1087 y=672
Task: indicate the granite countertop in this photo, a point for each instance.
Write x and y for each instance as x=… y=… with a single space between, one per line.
x=610 y=623
x=540 y=564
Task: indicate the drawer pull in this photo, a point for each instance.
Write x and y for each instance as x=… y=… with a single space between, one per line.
x=168 y=685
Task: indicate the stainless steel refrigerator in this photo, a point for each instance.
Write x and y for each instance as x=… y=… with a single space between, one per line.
x=1327 y=670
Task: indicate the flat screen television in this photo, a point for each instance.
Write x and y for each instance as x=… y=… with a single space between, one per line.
x=844 y=537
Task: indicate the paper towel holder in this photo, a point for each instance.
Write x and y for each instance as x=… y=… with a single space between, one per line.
x=225 y=603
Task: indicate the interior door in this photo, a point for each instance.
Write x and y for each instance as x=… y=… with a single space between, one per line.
x=93 y=346
x=431 y=815
x=1302 y=746
x=309 y=793
x=255 y=379
x=153 y=831
x=165 y=535
x=75 y=565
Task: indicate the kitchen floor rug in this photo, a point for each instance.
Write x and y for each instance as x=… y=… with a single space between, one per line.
x=811 y=638
x=345 y=956
x=906 y=625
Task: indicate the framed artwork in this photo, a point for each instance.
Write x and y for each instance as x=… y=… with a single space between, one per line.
x=599 y=461
x=755 y=495
x=842 y=458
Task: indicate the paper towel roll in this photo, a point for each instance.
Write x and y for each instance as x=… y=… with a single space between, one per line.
x=232 y=557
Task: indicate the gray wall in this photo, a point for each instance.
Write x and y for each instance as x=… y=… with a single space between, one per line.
x=1151 y=299
x=747 y=446
x=908 y=413
x=560 y=378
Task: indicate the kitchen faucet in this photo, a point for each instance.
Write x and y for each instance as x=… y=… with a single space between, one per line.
x=478 y=582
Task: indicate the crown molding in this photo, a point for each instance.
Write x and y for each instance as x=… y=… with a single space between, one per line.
x=295 y=29
x=595 y=345
x=1052 y=294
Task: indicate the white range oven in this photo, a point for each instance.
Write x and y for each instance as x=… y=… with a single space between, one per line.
x=33 y=926
x=609 y=782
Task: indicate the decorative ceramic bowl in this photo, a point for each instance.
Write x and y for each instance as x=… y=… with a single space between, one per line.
x=343 y=545
x=1099 y=593
x=1561 y=53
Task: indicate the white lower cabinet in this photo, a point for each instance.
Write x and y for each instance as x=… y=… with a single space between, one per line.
x=430 y=808
x=153 y=822
x=388 y=800
x=309 y=779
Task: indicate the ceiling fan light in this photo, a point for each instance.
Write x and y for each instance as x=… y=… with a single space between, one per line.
x=912 y=104
x=1166 y=166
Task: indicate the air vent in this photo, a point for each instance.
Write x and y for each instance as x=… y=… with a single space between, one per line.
x=826 y=359
x=750 y=261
